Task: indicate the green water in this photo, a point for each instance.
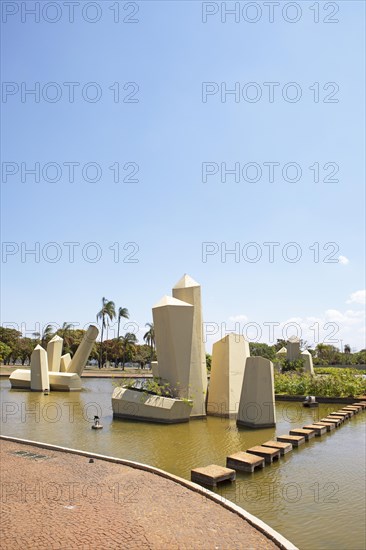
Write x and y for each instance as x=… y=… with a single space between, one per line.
x=314 y=496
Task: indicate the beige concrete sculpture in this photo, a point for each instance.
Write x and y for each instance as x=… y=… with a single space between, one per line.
x=65 y=362
x=282 y=351
x=308 y=362
x=66 y=372
x=189 y=291
x=81 y=356
x=257 y=400
x=54 y=351
x=173 y=324
x=293 y=348
x=39 y=380
x=227 y=371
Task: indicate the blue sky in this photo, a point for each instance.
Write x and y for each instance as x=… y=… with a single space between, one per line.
x=168 y=134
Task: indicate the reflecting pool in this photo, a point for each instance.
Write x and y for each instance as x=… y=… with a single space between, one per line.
x=314 y=495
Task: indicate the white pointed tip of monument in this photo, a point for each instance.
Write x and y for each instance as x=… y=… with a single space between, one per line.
x=170 y=301
x=38 y=346
x=56 y=338
x=294 y=339
x=282 y=350
x=305 y=352
x=186 y=282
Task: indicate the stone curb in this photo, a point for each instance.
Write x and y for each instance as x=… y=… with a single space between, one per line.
x=258 y=524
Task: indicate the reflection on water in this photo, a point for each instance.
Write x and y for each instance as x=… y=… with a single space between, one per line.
x=314 y=496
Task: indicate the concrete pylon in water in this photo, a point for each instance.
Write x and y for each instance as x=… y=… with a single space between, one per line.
x=173 y=324
x=189 y=291
x=227 y=371
x=81 y=356
x=257 y=400
x=54 y=351
x=39 y=380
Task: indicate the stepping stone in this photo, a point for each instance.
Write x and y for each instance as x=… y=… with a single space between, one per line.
x=334 y=420
x=339 y=414
x=349 y=411
x=319 y=430
x=360 y=404
x=355 y=410
x=267 y=453
x=295 y=440
x=308 y=433
x=360 y=407
x=283 y=447
x=329 y=425
x=348 y=414
x=244 y=462
x=212 y=475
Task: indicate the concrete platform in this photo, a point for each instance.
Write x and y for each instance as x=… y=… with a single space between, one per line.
x=244 y=462
x=283 y=447
x=319 y=430
x=332 y=419
x=212 y=475
x=295 y=440
x=267 y=453
x=305 y=432
x=329 y=425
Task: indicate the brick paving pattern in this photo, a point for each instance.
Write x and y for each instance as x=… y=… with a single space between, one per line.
x=62 y=501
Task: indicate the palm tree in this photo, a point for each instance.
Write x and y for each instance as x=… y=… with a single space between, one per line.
x=46 y=335
x=149 y=337
x=128 y=342
x=63 y=332
x=106 y=314
x=122 y=312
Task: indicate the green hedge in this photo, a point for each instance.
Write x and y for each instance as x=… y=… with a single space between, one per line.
x=335 y=384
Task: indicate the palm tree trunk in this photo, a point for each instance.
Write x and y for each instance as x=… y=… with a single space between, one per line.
x=101 y=346
x=119 y=319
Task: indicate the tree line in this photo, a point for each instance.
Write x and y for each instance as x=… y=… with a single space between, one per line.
x=14 y=347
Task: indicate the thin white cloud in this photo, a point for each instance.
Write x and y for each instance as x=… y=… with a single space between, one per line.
x=238 y=318
x=358 y=297
x=343 y=260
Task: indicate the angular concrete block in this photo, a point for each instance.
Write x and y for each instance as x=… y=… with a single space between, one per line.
x=39 y=380
x=308 y=362
x=257 y=400
x=54 y=351
x=282 y=351
x=173 y=324
x=61 y=381
x=81 y=356
x=293 y=348
x=137 y=405
x=189 y=291
x=65 y=362
x=227 y=371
